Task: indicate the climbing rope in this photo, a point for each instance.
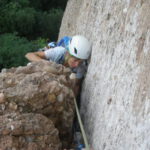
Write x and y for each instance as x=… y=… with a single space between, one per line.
x=81 y=126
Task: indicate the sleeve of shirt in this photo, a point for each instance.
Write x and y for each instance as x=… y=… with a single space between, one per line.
x=54 y=54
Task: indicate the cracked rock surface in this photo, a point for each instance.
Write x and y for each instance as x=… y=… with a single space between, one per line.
x=36 y=101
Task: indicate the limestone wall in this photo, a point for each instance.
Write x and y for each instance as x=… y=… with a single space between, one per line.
x=115 y=103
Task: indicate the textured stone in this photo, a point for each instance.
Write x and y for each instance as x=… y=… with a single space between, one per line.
x=115 y=103
x=43 y=88
x=28 y=132
x=2 y=98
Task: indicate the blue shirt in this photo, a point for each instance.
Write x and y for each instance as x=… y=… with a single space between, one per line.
x=57 y=55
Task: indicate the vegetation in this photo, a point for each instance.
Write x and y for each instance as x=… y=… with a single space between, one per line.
x=26 y=25
x=13 y=49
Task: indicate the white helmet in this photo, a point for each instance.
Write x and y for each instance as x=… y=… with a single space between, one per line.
x=80 y=47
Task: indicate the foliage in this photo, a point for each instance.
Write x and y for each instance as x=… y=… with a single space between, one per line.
x=28 y=19
x=13 y=50
x=46 y=5
x=19 y=16
x=40 y=42
x=48 y=23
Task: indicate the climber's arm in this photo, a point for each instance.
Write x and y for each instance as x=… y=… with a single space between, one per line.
x=36 y=56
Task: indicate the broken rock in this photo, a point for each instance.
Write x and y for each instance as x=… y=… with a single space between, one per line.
x=39 y=88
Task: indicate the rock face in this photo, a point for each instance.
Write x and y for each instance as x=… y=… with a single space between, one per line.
x=39 y=88
x=115 y=103
x=28 y=132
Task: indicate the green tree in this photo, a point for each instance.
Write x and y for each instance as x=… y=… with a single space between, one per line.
x=48 y=24
x=17 y=18
x=29 y=19
x=28 y=22
x=25 y=22
x=13 y=50
x=46 y=5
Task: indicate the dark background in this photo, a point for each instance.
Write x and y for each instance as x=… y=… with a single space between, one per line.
x=27 y=25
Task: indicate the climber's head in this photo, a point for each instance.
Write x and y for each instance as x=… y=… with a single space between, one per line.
x=80 y=47
x=72 y=61
x=79 y=50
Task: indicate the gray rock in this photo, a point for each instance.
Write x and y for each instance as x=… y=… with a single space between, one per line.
x=115 y=101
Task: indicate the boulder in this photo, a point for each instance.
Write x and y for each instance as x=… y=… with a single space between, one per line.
x=40 y=88
x=28 y=131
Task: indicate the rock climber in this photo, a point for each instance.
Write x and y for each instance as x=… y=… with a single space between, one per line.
x=74 y=56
